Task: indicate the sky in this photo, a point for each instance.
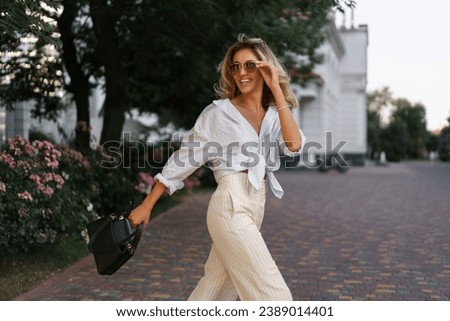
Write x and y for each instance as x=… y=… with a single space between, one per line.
x=409 y=51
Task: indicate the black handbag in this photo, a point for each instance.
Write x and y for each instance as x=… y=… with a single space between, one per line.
x=112 y=241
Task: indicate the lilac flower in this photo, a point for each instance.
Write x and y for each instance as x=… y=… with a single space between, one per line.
x=145 y=184
x=190 y=183
x=23 y=212
x=59 y=180
x=8 y=160
x=25 y=196
x=24 y=164
x=48 y=191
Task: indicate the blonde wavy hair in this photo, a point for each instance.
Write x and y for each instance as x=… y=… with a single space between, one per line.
x=227 y=88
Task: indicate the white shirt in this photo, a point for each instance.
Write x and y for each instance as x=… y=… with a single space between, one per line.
x=226 y=142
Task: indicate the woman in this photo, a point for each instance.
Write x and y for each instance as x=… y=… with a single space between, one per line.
x=239 y=137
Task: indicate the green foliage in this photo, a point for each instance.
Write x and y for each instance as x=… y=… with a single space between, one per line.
x=168 y=49
x=395 y=141
x=30 y=70
x=39 y=135
x=443 y=147
x=431 y=142
x=128 y=173
x=116 y=186
x=374 y=131
x=176 y=60
x=401 y=135
x=47 y=191
x=18 y=16
x=414 y=117
x=81 y=186
x=378 y=102
x=40 y=194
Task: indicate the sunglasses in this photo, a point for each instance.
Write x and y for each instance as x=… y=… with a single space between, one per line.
x=249 y=66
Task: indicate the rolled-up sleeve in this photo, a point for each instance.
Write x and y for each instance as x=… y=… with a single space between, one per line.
x=184 y=161
x=286 y=150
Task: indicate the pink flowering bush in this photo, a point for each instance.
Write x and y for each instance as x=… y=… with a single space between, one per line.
x=45 y=191
x=115 y=186
x=145 y=183
x=191 y=182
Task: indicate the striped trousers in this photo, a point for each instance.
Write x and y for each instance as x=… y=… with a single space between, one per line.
x=239 y=263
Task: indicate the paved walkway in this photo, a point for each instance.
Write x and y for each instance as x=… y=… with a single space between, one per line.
x=374 y=233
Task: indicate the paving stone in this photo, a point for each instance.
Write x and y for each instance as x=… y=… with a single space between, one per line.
x=373 y=233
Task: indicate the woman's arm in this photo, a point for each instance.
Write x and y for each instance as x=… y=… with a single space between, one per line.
x=289 y=127
x=179 y=166
x=141 y=214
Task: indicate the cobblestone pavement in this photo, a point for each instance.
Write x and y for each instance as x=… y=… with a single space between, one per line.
x=373 y=233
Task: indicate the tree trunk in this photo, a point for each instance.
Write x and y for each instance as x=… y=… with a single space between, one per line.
x=79 y=85
x=116 y=94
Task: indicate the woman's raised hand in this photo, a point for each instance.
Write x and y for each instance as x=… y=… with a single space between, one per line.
x=269 y=73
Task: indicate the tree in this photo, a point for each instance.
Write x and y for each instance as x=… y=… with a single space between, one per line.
x=414 y=117
x=30 y=67
x=174 y=74
x=79 y=85
x=116 y=97
x=19 y=15
x=158 y=56
x=40 y=42
x=432 y=142
x=373 y=133
x=395 y=125
x=379 y=104
x=395 y=140
x=444 y=143
x=184 y=83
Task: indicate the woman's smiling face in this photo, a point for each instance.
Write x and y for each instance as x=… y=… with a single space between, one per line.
x=247 y=82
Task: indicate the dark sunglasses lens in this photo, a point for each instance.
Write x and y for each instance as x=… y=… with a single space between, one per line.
x=250 y=66
x=234 y=68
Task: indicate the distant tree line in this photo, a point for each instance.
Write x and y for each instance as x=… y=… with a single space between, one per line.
x=157 y=56
x=442 y=142
x=398 y=127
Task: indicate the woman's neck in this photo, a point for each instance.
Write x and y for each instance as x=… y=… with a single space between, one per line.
x=250 y=102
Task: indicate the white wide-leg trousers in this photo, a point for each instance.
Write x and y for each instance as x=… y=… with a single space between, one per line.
x=239 y=263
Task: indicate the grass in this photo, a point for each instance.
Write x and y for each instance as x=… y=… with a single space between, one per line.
x=22 y=272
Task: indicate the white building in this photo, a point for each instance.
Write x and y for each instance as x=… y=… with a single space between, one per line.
x=335 y=101
x=19 y=121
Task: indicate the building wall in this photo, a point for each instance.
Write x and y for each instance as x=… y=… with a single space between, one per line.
x=353 y=102
x=19 y=121
x=336 y=102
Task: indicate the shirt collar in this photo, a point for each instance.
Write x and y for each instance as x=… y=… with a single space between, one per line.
x=228 y=108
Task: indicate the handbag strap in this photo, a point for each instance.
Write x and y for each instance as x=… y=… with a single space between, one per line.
x=131 y=247
x=94 y=236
